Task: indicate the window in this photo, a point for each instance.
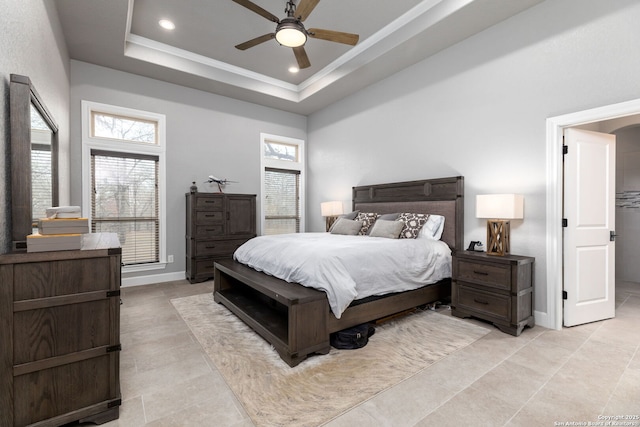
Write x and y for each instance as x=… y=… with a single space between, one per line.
x=124 y=200
x=123 y=185
x=105 y=125
x=282 y=184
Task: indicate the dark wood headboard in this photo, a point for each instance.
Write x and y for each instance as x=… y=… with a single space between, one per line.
x=440 y=196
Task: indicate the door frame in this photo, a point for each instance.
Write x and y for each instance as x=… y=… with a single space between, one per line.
x=555 y=127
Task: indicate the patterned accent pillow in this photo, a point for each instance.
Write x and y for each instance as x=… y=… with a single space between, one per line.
x=367 y=218
x=412 y=224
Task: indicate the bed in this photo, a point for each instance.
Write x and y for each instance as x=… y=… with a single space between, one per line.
x=298 y=320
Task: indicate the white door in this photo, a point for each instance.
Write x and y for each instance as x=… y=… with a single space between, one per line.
x=589 y=209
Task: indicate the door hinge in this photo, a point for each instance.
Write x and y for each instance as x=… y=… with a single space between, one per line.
x=565 y=149
x=564 y=294
x=612 y=236
x=565 y=222
x=117 y=347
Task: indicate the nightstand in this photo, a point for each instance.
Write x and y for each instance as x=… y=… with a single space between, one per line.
x=498 y=289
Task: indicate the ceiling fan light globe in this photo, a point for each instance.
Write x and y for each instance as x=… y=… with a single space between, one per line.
x=290 y=33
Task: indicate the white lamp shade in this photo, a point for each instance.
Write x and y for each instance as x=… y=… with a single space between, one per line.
x=333 y=208
x=500 y=206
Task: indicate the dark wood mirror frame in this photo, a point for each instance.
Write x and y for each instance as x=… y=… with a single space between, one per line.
x=22 y=95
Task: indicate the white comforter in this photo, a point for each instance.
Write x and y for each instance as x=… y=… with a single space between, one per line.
x=348 y=267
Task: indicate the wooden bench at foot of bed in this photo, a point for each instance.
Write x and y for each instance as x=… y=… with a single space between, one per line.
x=297 y=320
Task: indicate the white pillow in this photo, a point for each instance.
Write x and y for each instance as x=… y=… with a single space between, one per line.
x=433 y=228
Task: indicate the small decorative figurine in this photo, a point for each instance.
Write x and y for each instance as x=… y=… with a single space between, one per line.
x=220 y=181
x=194 y=187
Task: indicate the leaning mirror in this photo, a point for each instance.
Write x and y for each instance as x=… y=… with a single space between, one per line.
x=34 y=159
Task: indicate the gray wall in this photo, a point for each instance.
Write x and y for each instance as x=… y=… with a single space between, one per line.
x=478 y=109
x=206 y=134
x=32 y=44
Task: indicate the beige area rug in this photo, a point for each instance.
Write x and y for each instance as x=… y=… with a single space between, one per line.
x=323 y=386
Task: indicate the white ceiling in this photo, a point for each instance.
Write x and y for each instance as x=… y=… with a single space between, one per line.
x=200 y=53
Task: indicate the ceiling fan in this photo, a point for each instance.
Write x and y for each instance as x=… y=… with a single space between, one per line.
x=290 y=31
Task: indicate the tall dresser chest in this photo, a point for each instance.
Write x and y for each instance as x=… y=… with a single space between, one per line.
x=60 y=334
x=217 y=224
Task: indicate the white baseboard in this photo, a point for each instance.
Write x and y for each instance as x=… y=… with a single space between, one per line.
x=542 y=319
x=152 y=278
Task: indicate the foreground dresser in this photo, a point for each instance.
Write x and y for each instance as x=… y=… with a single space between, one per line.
x=60 y=334
x=217 y=224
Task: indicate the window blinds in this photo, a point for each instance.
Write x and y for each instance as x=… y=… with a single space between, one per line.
x=124 y=200
x=282 y=201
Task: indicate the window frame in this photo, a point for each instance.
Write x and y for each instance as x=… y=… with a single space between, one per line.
x=127 y=147
x=299 y=166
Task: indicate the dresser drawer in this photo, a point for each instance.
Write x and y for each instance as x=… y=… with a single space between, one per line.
x=64 y=389
x=209 y=203
x=494 y=275
x=209 y=217
x=209 y=230
x=204 y=267
x=55 y=278
x=484 y=303
x=217 y=247
x=78 y=327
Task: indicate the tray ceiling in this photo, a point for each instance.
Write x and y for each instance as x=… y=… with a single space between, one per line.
x=200 y=53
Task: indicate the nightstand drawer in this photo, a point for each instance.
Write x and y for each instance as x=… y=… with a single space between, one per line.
x=494 y=275
x=484 y=303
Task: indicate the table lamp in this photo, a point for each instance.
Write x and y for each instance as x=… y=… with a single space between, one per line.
x=499 y=209
x=331 y=210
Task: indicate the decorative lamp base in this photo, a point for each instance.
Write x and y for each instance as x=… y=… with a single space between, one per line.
x=498 y=237
x=330 y=220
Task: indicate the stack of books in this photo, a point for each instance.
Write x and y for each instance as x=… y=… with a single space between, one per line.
x=62 y=230
x=53 y=226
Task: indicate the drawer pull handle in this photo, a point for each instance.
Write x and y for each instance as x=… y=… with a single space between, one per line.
x=480 y=302
x=482 y=273
x=209 y=216
x=209 y=201
x=211 y=247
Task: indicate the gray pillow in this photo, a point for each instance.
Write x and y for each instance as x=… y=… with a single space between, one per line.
x=385 y=228
x=389 y=217
x=350 y=215
x=346 y=226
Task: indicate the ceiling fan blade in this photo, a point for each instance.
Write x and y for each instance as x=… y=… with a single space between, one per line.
x=334 y=36
x=253 y=42
x=257 y=9
x=305 y=7
x=301 y=57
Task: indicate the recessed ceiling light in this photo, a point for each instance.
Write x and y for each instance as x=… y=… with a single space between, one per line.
x=293 y=70
x=166 y=24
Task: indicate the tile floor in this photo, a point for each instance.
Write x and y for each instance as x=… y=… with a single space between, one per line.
x=541 y=378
